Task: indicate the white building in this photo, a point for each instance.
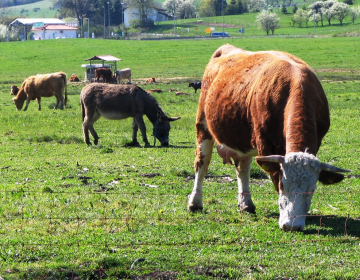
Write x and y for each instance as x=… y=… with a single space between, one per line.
x=50 y=31
x=154 y=13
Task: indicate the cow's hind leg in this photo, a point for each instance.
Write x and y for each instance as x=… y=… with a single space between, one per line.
x=243 y=176
x=39 y=103
x=57 y=102
x=205 y=144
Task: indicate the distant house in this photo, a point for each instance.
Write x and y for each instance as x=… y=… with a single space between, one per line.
x=154 y=13
x=50 y=31
x=25 y=24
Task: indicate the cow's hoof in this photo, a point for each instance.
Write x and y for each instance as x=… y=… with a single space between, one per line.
x=193 y=208
x=249 y=209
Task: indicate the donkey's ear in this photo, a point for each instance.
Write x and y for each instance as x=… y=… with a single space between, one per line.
x=173 y=119
x=161 y=116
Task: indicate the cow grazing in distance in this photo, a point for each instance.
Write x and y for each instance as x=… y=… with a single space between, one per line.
x=105 y=73
x=195 y=85
x=117 y=102
x=47 y=85
x=14 y=90
x=123 y=74
x=271 y=105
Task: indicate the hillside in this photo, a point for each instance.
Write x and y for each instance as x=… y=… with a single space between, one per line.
x=37 y=9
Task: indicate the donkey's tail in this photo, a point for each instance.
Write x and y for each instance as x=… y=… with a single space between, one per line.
x=82 y=110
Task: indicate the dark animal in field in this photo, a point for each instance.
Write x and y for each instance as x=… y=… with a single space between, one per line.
x=117 y=102
x=47 y=85
x=74 y=78
x=151 y=80
x=123 y=74
x=195 y=85
x=14 y=90
x=270 y=104
x=105 y=73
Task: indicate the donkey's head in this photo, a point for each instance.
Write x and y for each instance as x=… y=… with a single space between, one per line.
x=162 y=128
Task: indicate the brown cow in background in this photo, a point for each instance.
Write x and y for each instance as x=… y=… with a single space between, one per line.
x=35 y=87
x=105 y=73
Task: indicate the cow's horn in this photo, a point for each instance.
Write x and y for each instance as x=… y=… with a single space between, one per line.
x=277 y=159
x=328 y=167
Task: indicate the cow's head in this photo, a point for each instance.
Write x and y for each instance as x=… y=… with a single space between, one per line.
x=19 y=102
x=297 y=177
x=14 y=90
x=162 y=128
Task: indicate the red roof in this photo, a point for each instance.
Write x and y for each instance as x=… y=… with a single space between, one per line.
x=55 y=27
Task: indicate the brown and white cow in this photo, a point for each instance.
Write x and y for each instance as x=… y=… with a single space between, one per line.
x=105 y=73
x=123 y=74
x=270 y=104
x=35 y=87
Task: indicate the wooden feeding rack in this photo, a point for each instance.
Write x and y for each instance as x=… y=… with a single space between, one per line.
x=94 y=63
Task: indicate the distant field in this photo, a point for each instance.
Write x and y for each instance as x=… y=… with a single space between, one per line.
x=41 y=9
x=72 y=211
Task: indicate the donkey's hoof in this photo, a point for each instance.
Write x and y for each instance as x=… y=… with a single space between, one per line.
x=194 y=208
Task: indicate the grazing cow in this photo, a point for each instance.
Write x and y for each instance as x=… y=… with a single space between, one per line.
x=270 y=104
x=195 y=85
x=117 y=102
x=47 y=85
x=74 y=78
x=14 y=90
x=105 y=73
x=123 y=74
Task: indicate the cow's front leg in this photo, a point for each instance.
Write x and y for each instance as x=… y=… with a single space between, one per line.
x=243 y=167
x=135 y=128
x=204 y=150
x=141 y=125
x=28 y=99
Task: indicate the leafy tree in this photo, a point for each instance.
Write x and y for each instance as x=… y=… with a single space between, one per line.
x=326 y=11
x=256 y=5
x=317 y=7
x=283 y=9
x=77 y=8
x=232 y=8
x=340 y=11
x=301 y=17
x=186 y=9
x=172 y=6
x=354 y=13
x=268 y=21
x=207 y=8
x=144 y=9
x=314 y=17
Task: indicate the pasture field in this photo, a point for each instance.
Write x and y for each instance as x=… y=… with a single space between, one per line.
x=72 y=211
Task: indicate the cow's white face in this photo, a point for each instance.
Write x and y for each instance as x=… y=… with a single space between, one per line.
x=300 y=172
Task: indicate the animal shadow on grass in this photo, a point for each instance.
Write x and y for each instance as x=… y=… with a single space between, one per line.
x=137 y=145
x=333 y=225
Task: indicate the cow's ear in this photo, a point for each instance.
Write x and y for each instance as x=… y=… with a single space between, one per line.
x=329 y=177
x=269 y=167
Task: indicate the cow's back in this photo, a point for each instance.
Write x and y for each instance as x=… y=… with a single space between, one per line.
x=260 y=99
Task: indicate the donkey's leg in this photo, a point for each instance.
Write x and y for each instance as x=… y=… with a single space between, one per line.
x=89 y=119
x=140 y=122
x=243 y=176
x=135 y=128
x=205 y=144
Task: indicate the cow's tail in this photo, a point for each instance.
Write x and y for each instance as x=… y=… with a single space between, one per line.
x=66 y=98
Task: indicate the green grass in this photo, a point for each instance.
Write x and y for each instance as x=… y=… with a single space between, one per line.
x=69 y=210
x=40 y=9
